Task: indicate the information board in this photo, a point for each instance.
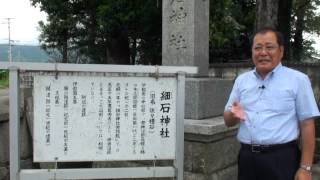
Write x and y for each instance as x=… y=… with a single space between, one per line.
x=98 y=118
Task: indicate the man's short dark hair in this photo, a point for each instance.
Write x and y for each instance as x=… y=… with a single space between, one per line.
x=279 y=35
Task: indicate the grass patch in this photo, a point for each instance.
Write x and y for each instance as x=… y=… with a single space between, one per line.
x=4 y=79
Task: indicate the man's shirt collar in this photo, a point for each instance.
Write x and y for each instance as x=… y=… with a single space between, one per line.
x=270 y=73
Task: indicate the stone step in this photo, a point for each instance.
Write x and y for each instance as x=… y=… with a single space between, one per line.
x=209 y=126
x=207 y=130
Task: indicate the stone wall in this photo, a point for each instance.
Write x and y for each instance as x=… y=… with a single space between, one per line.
x=232 y=70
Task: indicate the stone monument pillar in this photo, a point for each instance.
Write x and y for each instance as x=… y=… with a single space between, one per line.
x=185 y=34
x=210 y=147
x=185 y=42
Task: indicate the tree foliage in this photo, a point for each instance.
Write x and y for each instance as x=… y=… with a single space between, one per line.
x=56 y=33
x=306 y=21
x=294 y=18
x=102 y=31
x=129 y=31
x=231 y=25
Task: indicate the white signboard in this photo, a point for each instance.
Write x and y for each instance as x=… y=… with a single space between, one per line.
x=81 y=118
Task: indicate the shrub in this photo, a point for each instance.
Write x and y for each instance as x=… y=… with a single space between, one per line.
x=4 y=74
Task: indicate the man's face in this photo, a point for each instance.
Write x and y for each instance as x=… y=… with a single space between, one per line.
x=266 y=52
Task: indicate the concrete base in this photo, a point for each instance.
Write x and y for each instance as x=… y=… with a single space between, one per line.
x=211 y=150
x=206 y=97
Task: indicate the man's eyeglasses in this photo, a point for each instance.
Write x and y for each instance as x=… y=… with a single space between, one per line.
x=268 y=48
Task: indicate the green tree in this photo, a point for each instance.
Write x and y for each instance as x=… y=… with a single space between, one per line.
x=284 y=24
x=57 y=33
x=305 y=20
x=104 y=31
x=129 y=31
x=267 y=14
x=275 y=14
x=294 y=18
x=140 y=22
x=231 y=24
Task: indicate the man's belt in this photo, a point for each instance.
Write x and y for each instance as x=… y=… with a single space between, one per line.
x=259 y=148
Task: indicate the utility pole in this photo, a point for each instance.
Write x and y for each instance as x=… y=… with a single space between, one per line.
x=9 y=40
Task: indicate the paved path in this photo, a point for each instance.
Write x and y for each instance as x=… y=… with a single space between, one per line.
x=4 y=104
x=4 y=92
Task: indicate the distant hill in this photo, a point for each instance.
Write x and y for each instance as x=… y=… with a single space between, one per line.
x=23 y=53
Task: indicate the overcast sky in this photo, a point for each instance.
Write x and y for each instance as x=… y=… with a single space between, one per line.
x=24 y=25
